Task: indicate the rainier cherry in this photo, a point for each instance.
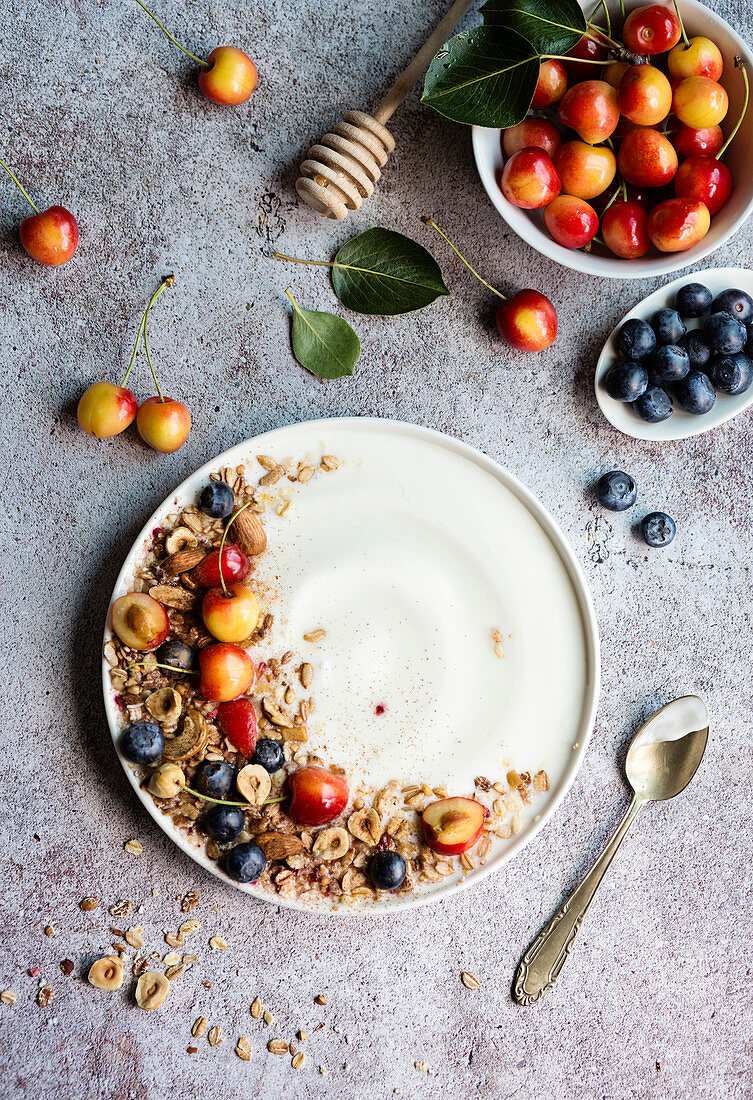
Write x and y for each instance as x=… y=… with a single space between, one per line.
x=571 y=221
x=699 y=57
x=529 y=179
x=235 y=566
x=677 y=224
x=699 y=102
x=537 y=133
x=624 y=229
x=163 y=422
x=139 y=621
x=588 y=49
x=652 y=29
x=646 y=158
x=585 y=170
x=527 y=321
x=49 y=236
x=227 y=671
x=317 y=796
x=590 y=108
x=644 y=95
x=229 y=75
x=550 y=87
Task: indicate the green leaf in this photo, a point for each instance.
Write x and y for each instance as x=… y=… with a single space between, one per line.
x=383 y=272
x=551 y=27
x=484 y=77
x=322 y=343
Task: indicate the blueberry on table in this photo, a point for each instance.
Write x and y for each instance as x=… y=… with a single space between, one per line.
x=217 y=499
x=694 y=343
x=725 y=335
x=245 y=862
x=658 y=529
x=214 y=778
x=616 y=491
x=176 y=654
x=668 y=326
x=693 y=300
x=223 y=823
x=387 y=870
x=696 y=393
x=732 y=374
x=626 y=381
x=654 y=405
x=735 y=302
x=143 y=743
x=669 y=363
x=636 y=339
x=268 y=754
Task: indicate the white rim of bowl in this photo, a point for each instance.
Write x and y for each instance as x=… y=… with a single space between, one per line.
x=590 y=630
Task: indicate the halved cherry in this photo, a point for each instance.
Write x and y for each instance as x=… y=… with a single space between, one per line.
x=453 y=825
x=237 y=720
x=139 y=621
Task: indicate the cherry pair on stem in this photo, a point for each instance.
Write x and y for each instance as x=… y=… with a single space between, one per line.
x=105 y=409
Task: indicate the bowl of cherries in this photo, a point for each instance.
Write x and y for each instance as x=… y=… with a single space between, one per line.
x=634 y=159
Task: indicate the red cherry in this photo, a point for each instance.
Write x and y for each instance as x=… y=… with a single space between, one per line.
x=51 y=236
x=624 y=229
x=237 y=721
x=571 y=221
x=706 y=180
x=589 y=49
x=318 y=796
x=651 y=29
x=235 y=566
x=691 y=143
x=528 y=321
x=551 y=85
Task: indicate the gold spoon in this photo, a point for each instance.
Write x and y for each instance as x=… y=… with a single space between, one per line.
x=662 y=759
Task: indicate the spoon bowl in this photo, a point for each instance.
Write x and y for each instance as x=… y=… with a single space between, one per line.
x=666 y=752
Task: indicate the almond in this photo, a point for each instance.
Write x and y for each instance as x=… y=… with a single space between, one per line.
x=249 y=534
x=173 y=597
x=182 y=561
x=279 y=845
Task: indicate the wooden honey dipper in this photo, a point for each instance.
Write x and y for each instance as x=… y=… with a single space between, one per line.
x=340 y=172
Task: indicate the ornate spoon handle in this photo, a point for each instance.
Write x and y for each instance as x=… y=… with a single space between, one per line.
x=540 y=967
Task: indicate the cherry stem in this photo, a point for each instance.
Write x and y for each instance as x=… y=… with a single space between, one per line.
x=433 y=224
x=739 y=64
x=295 y=260
x=622 y=9
x=623 y=185
x=685 y=38
x=606 y=16
x=170 y=668
x=227 y=528
x=166 y=282
x=566 y=57
x=174 y=41
x=18 y=185
x=614 y=196
x=226 y=802
x=602 y=34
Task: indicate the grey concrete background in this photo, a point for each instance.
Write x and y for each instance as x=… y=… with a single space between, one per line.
x=102 y=114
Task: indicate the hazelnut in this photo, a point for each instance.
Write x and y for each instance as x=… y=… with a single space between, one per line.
x=106 y=973
x=151 y=990
x=180 y=539
x=254 y=784
x=166 y=781
x=331 y=844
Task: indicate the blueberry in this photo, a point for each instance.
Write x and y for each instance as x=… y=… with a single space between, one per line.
x=269 y=754
x=698 y=350
x=387 y=870
x=616 y=491
x=636 y=339
x=725 y=334
x=693 y=300
x=658 y=529
x=748 y=349
x=215 y=778
x=696 y=393
x=217 y=499
x=143 y=743
x=176 y=654
x=245 y=862
x=654 y=405
x=668 y=326
x=732 y=373
x=626 y=381
x=669 y=363
x=735 y=302
x=223 y=823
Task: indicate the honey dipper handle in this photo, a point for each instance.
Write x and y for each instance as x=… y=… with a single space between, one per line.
x=421 y=61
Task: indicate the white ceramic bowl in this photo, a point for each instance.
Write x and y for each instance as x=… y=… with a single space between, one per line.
x=529 y=225
x=680 y=425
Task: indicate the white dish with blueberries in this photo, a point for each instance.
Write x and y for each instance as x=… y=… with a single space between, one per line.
x=681 y=362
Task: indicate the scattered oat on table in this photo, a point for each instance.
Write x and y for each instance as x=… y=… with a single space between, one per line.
x=135 y=847
x=268 y=1018
x=87 y=904
x=215 y=1036
x=470 y=981
x=277 y=1046
x=190 y=901
x=49 y=930
x=199 y=1027
x=320 y=999
x=8 y=997
x=217 y=943
x=256 y=1008
x=243 y=1049
x=298 y=1060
